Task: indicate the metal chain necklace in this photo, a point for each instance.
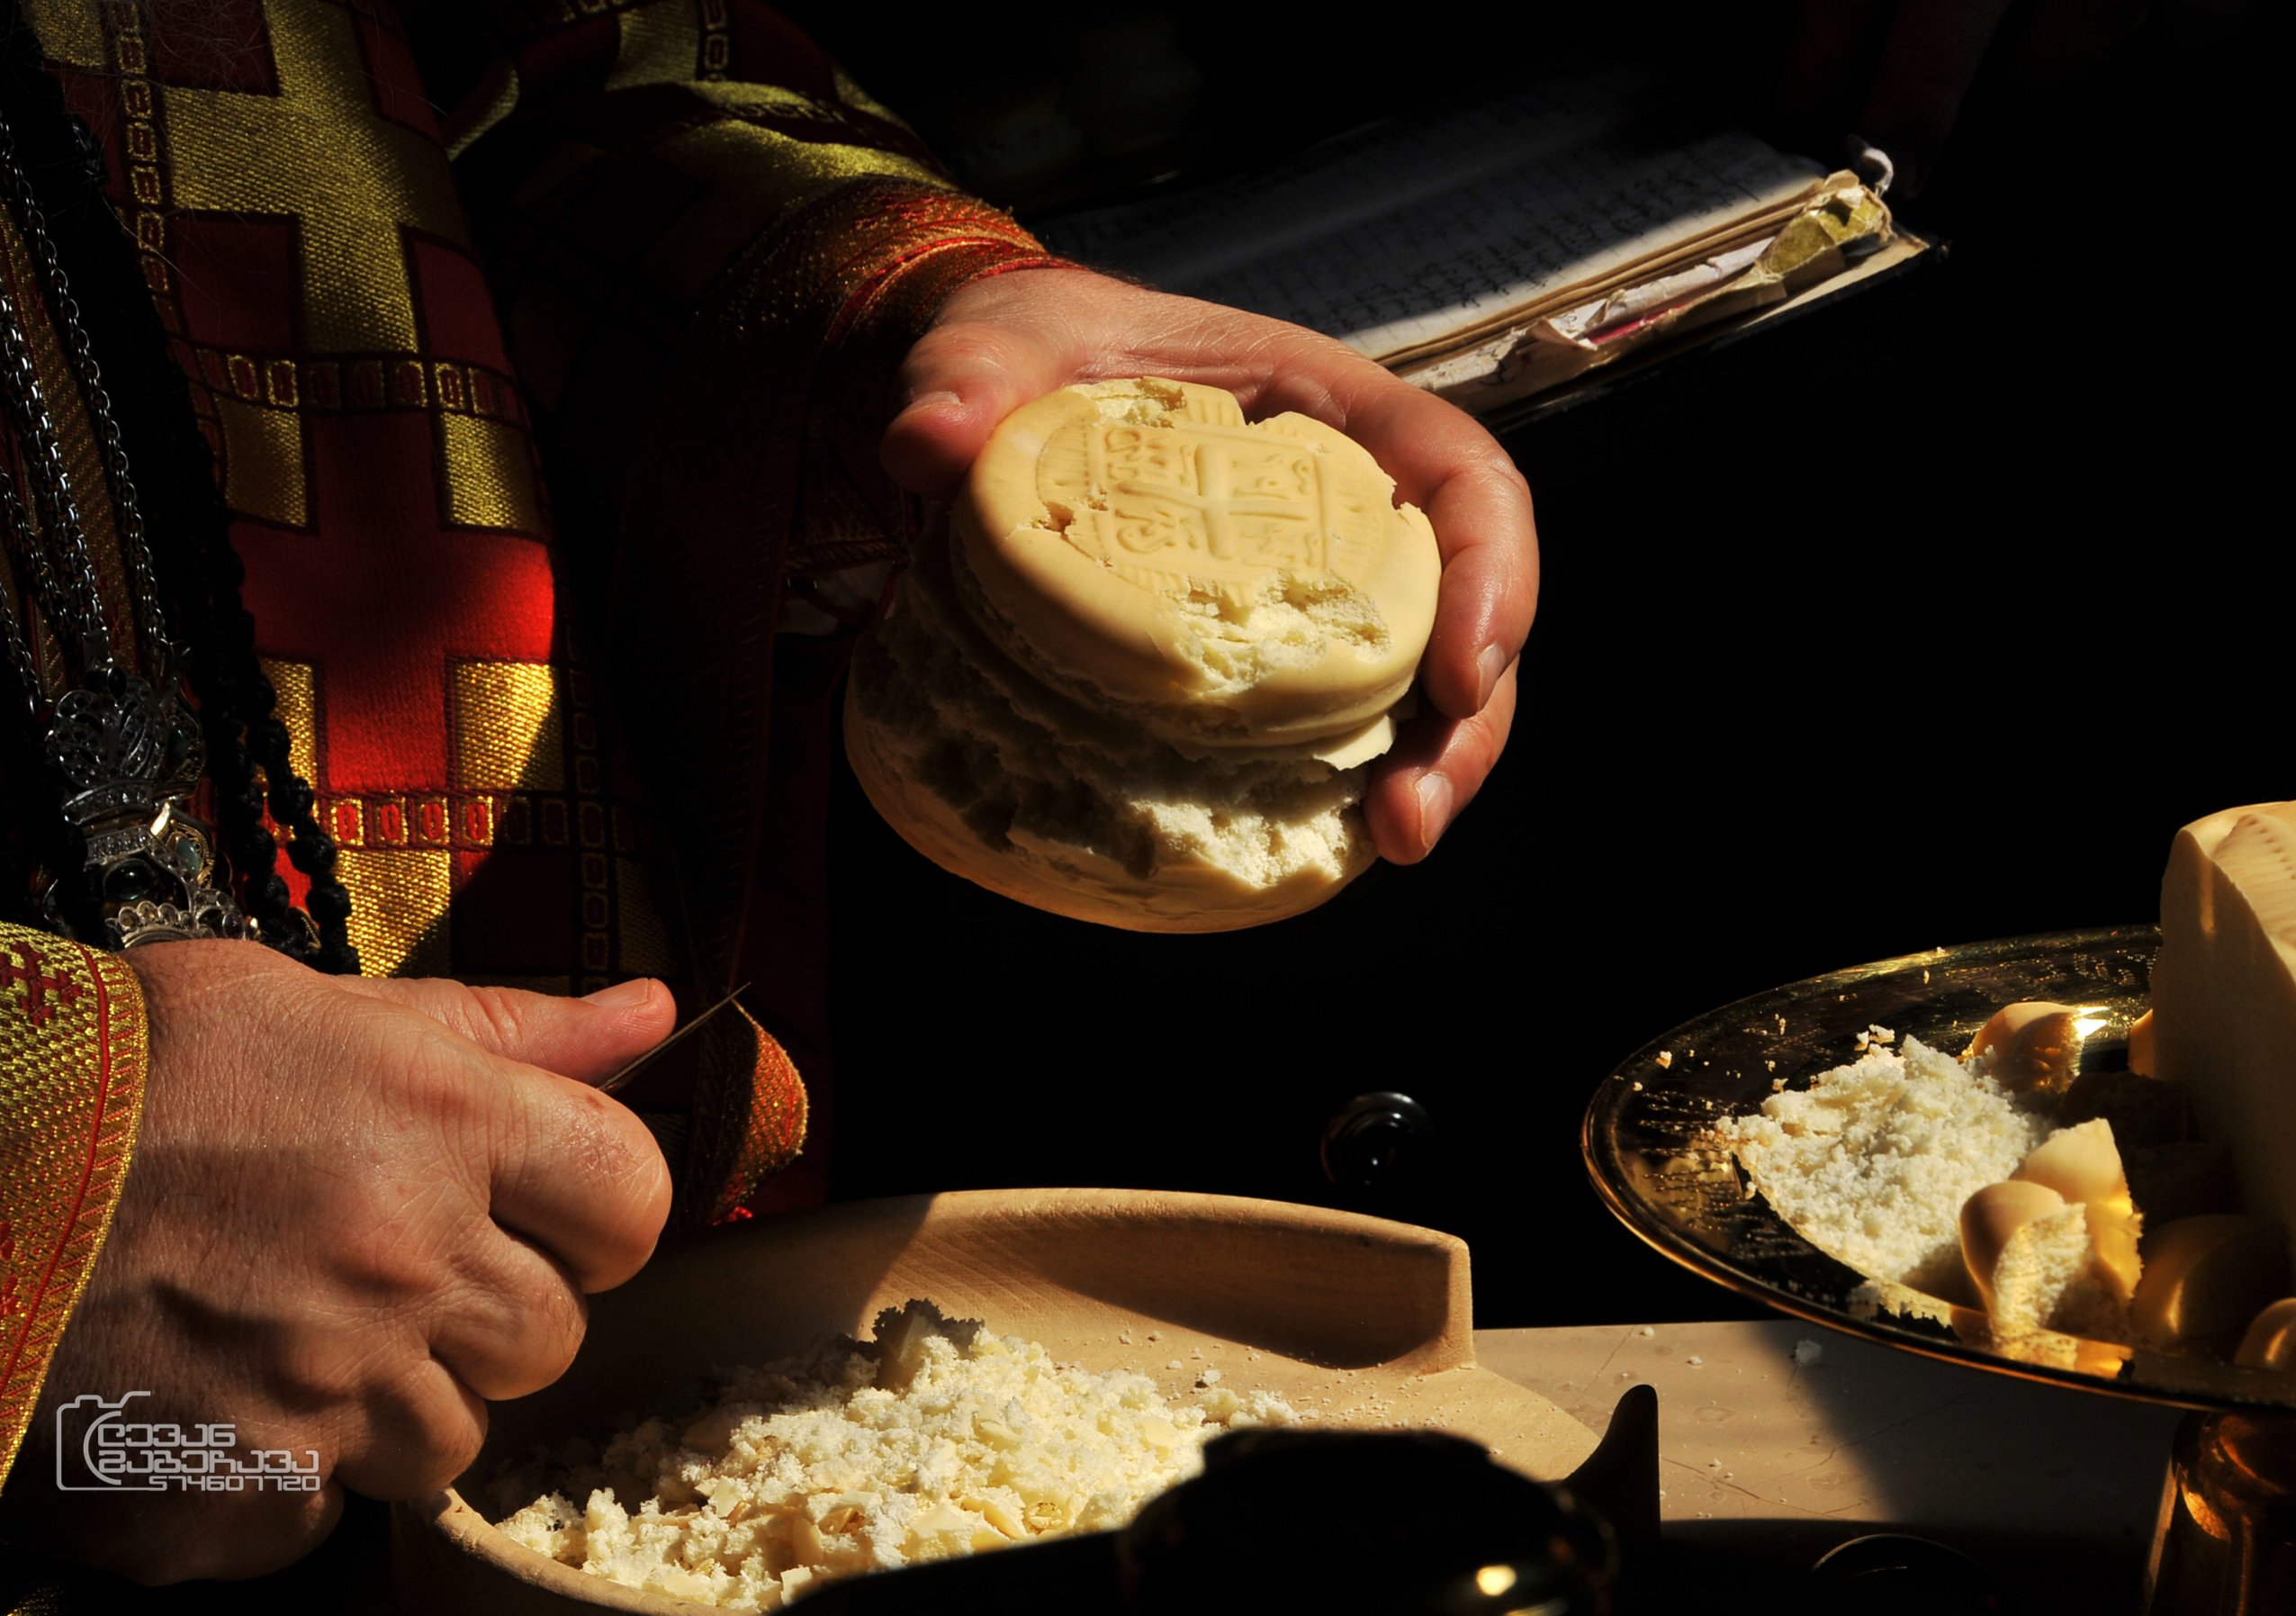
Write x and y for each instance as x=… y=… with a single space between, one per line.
x=126 y=749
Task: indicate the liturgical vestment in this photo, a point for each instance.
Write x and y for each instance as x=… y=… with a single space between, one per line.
x=546 y=423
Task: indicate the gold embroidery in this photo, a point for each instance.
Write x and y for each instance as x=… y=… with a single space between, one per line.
x=72 y=1051
x=660 y=44
x=490 y=479
x=398 y=903
x=298 y=709
x=320 y=150
x=717 y=40
x=68 y=31
x=495 y=98
x=725 y=158
x=466 y=821
x=263 y=462
x=147 y=181
x=509 y=731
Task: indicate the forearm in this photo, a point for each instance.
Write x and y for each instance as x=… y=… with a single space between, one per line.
x=699 y=229
x=713 y=252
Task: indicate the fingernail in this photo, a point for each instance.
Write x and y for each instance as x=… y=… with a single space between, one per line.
x=1433 y=792
x=1488 y=666
x=942 y=400
x=632 y=995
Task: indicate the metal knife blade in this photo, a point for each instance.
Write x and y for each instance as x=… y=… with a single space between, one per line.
x=638 y=1065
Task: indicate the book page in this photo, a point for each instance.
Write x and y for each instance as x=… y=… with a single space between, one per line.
x=1409 y=230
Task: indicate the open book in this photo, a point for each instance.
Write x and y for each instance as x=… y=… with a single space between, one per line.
x=1499 y=246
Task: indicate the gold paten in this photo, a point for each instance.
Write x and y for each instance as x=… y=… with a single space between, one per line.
x=1644 y=1144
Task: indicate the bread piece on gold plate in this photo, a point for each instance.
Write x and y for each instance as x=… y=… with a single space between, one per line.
x=1140 y=682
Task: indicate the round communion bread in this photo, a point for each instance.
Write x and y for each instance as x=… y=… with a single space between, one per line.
x=1140 y=545
x=1138 y=683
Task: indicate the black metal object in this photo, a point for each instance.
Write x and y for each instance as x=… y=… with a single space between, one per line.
x=1378 y=1143
x=1405 y=1523
x=1884 y=1574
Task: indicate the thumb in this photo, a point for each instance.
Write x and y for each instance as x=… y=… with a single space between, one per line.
x=586 y=1038
x=958 y=382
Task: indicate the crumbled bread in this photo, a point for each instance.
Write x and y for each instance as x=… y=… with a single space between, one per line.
x=936 y=1439
x=2083 y=1163
x=2045 y=1279
x=1899 y=1164
x=1021 y=788
x=1872 y=1161
x=2032 y=1046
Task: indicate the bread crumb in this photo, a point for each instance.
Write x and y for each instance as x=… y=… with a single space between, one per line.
x=1665 y=1058
x=1871 y=1162
x=936 y=1439
x=1806 y=1352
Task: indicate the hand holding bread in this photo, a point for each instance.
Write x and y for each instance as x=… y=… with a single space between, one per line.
x=1007 y=342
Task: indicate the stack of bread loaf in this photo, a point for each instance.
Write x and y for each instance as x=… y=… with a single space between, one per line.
x=1138 y=681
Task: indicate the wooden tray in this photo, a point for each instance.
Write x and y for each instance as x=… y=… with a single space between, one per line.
x=1364 y=1321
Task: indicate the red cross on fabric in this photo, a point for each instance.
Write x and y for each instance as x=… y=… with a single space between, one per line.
x=33 y=977
x=387 y=596
x=380 y=587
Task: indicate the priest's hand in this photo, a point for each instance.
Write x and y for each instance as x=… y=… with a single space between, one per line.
x=1002 y=341
x=357 y=1210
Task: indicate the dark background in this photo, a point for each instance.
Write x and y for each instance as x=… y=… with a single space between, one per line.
x=1926 y=620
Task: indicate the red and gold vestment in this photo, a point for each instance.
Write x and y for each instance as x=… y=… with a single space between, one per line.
x=540 y=423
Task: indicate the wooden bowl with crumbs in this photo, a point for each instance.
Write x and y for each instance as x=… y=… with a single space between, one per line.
x=1362 y=1322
